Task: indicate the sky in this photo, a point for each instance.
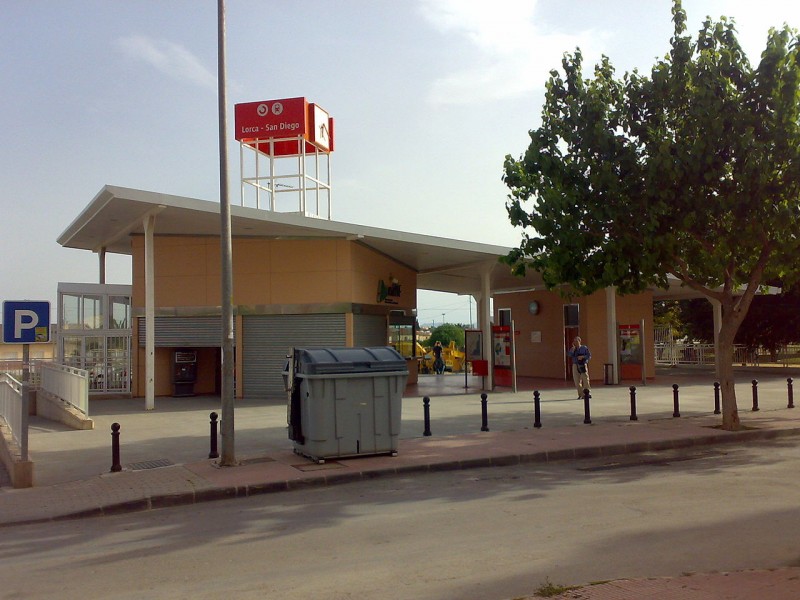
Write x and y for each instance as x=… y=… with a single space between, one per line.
x=429 y=96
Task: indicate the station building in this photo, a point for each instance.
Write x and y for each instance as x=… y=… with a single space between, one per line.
x=302 y=279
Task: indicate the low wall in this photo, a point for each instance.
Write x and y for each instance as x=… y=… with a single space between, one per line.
x=54 y=408
x=20 y=471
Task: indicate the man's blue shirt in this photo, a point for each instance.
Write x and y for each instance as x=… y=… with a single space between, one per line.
x=580 y=351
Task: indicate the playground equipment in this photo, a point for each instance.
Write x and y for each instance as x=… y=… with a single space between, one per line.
x=454 y=359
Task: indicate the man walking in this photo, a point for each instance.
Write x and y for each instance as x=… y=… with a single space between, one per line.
x=580 y=356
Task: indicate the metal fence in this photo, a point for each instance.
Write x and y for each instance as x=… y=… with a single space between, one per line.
x=683 y=353
x=14 y=368
x=672 y=352
x=784 y=356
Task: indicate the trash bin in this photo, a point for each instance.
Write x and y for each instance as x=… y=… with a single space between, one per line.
x=345 y=402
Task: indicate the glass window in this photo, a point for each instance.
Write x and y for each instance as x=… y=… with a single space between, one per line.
x=95 y=332
x=571 y=315
x=119 y=312
x=72 y=351
x=402 y=336
x=70 y=312
x=117 y=355
x=504 y=317
x=95 y=362
x=92 y=312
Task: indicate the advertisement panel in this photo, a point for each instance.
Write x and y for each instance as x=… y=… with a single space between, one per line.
x=473 y=342
x=630 y=351
x=501 y=350
x=501 y=343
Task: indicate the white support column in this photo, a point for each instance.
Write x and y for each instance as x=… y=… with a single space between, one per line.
x=149 y=312
x=716 y=305
x=101 y=256
x=611 y=331
x=485 y=316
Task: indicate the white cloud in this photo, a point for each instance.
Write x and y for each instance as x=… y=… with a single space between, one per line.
x=169 y=58
x=515 y=56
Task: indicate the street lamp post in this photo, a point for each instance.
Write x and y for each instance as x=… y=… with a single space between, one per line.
x=228 y=456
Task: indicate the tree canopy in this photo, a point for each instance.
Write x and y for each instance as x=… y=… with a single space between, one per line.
x=692 y=171
x=446 y=333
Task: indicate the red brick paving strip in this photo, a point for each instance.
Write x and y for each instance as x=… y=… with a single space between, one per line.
x=773 y=584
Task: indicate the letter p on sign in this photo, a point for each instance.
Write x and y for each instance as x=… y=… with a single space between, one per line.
x=26 y=321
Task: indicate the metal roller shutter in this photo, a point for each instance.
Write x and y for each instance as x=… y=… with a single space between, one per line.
x=369 y=330
x=197 y=332
x=267 y=339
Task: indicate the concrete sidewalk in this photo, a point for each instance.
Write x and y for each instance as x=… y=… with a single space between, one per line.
x=163 y=454
x=162 y=483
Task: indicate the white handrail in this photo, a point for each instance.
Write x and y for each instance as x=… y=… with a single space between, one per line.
x=11 y=408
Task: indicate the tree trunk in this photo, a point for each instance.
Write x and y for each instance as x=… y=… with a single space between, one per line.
x=730 y=412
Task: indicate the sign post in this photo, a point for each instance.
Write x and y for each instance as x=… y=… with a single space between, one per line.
x=26 y=400
x=25 y=322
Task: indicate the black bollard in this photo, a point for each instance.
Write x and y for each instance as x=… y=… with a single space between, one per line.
x=537 y=410
x=716 y=398
x=634 y=417
x=587 y=417
x=426 y=410
x=484 y=414
x=755 y=395
x=115 y=464
x=213 y=453
x=790 y=391
x=676 y=403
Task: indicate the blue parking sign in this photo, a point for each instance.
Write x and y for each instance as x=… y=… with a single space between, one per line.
x=26 y=321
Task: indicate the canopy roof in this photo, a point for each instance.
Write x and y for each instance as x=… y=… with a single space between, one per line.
x=441 y=264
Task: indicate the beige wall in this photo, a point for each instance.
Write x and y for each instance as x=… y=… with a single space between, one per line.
x=38 y=350
x=546 y=358
x=268 y=272
x=537 y=359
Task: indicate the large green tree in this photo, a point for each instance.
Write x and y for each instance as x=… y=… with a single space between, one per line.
x=446 y=333
x=691 y=171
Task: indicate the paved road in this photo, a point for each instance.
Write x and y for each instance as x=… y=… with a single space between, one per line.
x=489 y=534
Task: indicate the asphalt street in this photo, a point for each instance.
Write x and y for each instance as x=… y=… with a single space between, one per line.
x=488 y=533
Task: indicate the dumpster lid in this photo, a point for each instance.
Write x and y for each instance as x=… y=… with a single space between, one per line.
x=320 y=361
